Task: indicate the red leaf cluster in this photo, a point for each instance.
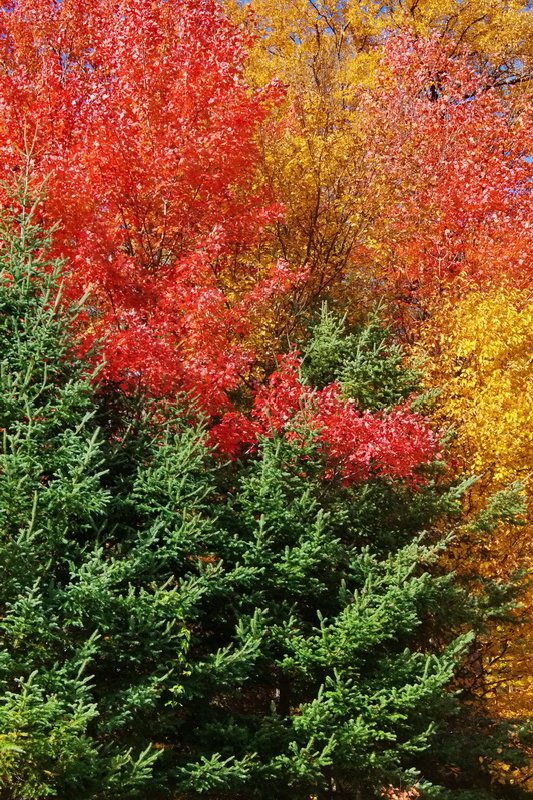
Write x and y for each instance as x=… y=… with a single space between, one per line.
x=453 y=156
x=391 y=793
x=355 y=444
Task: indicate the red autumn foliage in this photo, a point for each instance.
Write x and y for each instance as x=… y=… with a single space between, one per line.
x=453 y=157
x=139 y=116
x=356 y=445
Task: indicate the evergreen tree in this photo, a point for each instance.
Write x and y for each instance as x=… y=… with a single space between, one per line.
x=350 y=688
x=352 y=640
x=91 y=625
x=367 y=362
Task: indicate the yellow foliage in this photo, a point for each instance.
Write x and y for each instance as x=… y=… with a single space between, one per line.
x=480 y=352
x=313 y=147
x=482 y=356
x=498 y=32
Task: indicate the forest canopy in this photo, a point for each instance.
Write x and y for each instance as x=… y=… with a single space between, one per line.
x=265 y=353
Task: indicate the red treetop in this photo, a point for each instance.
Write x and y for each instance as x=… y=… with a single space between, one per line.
x=138 y=114
x=453 y=156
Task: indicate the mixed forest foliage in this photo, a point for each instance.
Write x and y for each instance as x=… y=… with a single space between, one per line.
x=265 y=351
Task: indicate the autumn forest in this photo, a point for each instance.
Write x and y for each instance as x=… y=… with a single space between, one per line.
x=266 y=412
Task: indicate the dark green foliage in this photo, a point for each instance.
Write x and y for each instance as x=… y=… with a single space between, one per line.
x=359 y=642
x=91 y=634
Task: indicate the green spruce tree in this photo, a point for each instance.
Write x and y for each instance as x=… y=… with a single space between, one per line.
x=91 y=619
x=348 y=670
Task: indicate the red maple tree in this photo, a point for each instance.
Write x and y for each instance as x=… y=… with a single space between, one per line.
x=452 y=156
x=138 y=115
